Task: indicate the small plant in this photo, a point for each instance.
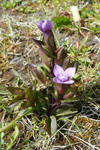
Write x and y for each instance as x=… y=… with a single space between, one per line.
x=10 y=4
x=54 y=83
x=55 y=73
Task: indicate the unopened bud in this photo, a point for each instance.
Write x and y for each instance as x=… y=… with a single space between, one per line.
x=75 y=13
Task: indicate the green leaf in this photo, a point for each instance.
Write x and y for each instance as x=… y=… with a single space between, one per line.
x=61 y=21
x=74 y=99
x=51 y=43
x=45 y=59
x=85 y=13
x=10 y=29
x=16 y=90
x=4 y=35
x=61 y=54
x=66 y=111
x=66 y=42
x=39 y=75
x=30 y=95
x=82 y=43
x=77 y=76
x=43 y=47
x=1 y=136
x=16 y=100
x=51 y=125
x=48 y=123
x=13 y=138
x=94 y=29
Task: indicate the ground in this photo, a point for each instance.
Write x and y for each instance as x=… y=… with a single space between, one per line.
x=17 y=30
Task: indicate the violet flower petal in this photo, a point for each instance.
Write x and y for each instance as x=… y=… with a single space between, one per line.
x=47 y=26
x=41 y=22
x=55 y=79
x=70 y=72
x=58 y=71
x=68 y=82
x=40 y=27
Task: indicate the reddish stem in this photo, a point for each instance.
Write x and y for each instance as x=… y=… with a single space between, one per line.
x=57 y=106
x=83 y=34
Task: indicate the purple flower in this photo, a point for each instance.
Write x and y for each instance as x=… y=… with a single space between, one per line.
x=63 y=77
x=45 y=26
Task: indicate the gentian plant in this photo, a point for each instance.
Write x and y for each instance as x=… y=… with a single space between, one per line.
x=58 y=74
x=54 y=84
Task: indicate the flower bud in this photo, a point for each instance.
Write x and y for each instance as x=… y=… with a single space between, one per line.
x=75 y=13
x=45 y=26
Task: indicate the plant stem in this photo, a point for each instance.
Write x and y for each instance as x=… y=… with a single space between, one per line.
x=57 y=106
